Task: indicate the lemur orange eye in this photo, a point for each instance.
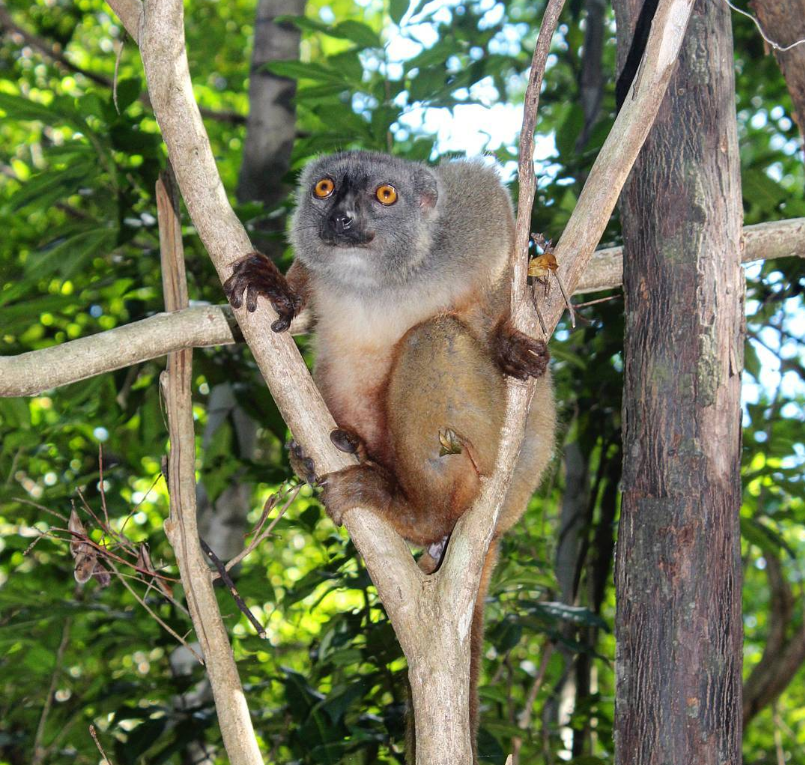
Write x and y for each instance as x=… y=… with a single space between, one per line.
x=386 y=194
x=324 y=188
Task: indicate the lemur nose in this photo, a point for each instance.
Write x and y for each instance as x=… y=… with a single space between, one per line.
x=341 y=221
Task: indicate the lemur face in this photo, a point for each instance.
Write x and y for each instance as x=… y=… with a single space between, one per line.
x=364 y=220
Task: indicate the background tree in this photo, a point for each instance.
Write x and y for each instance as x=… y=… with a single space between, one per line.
x=79 y=256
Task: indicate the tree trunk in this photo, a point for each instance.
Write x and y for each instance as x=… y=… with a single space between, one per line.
x=784 y=22
x=271 y=126
x=678 y=578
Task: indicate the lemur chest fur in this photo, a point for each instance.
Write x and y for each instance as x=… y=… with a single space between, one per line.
x=356 y=342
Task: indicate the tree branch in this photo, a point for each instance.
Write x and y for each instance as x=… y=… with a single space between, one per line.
x=177 y=385
x=573 y=253
x=161 y=35
x=31 y=373
x=782 y=656
x=406 y=593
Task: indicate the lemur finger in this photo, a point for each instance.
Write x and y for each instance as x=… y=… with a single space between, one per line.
x=303 y=466
x=233 y=289
x=256 y=275
x=251 y=298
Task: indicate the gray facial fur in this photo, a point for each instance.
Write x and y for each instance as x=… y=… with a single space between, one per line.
x=445 y=218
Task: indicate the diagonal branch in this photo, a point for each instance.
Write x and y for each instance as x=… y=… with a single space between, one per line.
x=574 y=251
x=160 y=33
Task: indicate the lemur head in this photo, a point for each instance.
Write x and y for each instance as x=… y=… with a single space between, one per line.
x=365 y=221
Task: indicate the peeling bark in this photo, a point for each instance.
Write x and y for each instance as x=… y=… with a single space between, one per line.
x=678 y=624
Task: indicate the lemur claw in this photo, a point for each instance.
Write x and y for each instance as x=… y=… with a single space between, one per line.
x=255 y=275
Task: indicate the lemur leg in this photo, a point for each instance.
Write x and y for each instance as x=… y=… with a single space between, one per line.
x=535 y=454
x=442 y=379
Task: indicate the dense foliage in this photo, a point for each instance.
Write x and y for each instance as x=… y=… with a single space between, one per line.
x=80 y=255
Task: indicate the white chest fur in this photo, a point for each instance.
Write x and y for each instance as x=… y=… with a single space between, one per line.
x=355 y=341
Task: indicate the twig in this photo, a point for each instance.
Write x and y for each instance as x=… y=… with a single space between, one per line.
x=597 y=301
x=767 y=39
x=524 y=720
x=227 y=580
x=98 y=744
x=258 y=540
x=39 y=751
x=154 y=614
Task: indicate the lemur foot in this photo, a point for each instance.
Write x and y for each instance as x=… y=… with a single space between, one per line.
x=350 y=442
x=302 y=465
x=519 y=355
x=256 y=275
x=365 y=485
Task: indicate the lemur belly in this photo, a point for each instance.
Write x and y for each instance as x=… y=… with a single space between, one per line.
x=355 y=346
x=353 y=381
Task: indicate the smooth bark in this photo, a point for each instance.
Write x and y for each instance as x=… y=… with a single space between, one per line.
x=181 y=527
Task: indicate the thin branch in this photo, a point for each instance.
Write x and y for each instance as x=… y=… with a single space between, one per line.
x=153 y=614
x=31 y=373
x=98 y=744
x=574 y=251
x=39 y=750
x=233 y=590
x=524 y=719
x=261 y=536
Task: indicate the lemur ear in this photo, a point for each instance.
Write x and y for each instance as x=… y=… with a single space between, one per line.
x=427 y=190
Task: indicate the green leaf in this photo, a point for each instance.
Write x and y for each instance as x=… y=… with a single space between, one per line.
x=27 y=312
x=361 y=34
x=301 y=70
x=47 y=187
x=762 y=190
x=20 y=108
x=397 y=9
x=128 y=91
x=69 y=255
x=14 y=413
x=765 y=538
x=556 y=611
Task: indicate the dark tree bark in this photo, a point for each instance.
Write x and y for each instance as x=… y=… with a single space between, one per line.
x=678 y=576
x=271 y=125
x=784 y=22
x=591 y=78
